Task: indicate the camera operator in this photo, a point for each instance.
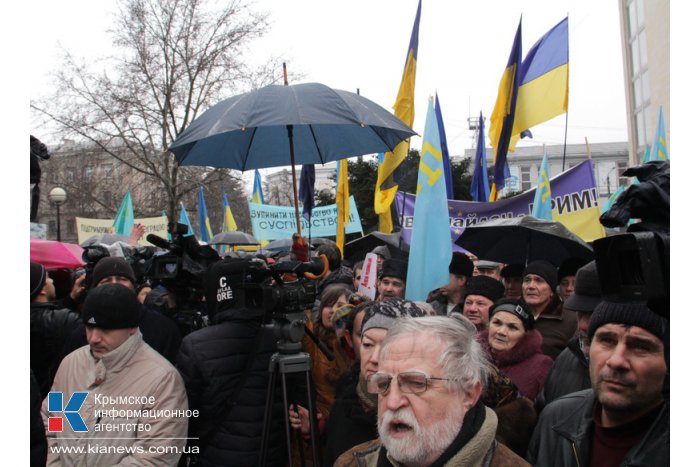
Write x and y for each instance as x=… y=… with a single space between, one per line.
x=225 y=369
x=158 y=331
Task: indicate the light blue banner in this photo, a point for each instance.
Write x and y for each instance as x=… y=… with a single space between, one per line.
x=273 y=222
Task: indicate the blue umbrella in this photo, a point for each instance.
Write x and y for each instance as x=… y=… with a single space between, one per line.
x=277 y=125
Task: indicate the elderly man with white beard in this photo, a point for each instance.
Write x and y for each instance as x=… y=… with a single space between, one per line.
x=429 y=380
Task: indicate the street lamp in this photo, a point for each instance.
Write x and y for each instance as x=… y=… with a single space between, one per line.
x=58 y=196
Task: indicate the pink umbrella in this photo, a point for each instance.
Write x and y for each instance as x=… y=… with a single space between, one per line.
x=54 y=255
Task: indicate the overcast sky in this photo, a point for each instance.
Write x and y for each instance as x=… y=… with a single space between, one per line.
x=463 y=49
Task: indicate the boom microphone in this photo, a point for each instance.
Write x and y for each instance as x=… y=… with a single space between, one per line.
x=160 y=242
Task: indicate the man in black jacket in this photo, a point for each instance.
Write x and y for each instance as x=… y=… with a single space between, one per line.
x=225 y=369
x=624 y=418
x=50 y=328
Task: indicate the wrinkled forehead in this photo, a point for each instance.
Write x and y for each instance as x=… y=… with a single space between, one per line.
x=411 y=352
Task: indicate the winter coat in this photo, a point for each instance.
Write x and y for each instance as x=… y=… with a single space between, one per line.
x=568 y=374
x=563 y=436
x=50 y=328
x=38 y=446
x=481 y=449
x=557 y=327
x=524 y=364
x=212 y=362
x=128 y=389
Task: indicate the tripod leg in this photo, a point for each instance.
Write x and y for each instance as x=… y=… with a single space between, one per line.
x=313 y=421
x=287 y=429
x=269 y=400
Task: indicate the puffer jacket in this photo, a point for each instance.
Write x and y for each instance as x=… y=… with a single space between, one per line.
x=563 y=435
x=568 y=374
x=524 y=364
x=212 y=362
x=50 y=328
x=129 y=388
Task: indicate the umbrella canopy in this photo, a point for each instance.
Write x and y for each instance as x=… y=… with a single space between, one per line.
x=105 y=239
x=250 y=131
x=523 y=239
x=285 y=244
x=233 y=237
x=357 y=249
x=55 y=255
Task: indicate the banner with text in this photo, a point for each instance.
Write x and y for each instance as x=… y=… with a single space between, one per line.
x=273 y=222
x=574 y=204
x=90 y=227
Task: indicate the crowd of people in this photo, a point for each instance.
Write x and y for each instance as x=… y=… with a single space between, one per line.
x=504 y=365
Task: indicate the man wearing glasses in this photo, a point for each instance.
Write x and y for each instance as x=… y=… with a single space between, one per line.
x=429 y=381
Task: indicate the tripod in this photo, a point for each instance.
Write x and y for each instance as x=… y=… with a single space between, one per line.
x=283 y=364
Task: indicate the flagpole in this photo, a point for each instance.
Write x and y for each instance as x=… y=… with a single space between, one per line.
x=566 y=131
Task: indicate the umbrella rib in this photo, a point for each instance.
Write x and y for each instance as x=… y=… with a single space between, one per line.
x=318 y=150
x=247 y=149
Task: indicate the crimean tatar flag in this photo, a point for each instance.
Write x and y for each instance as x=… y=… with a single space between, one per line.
x=660 y=151
x=543 y=81
x=431 y=240
x=229 y=221
x=386 y=188
x=124 y=221
x=503 y=115
x=542 y=207
x=342 y=200
x=257 y=196
x=205 y=234
x=185 y=219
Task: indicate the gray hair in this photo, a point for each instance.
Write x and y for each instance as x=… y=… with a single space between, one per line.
x=462 y=357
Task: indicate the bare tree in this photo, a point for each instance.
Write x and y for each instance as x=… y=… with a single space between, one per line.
x=176 y=59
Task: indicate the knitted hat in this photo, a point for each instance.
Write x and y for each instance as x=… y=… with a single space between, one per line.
x=545 y=270
x=515 y=307
x=486 y=287
x=461 y=265
x=223 y=284
x=512 y=270
x=112 y=266
x=340 y=315
x=632 y=314
x=383 y=314
x=37 y=277
x=111 y=306
x=587 y=294
x=569 y=267
x=394 y=268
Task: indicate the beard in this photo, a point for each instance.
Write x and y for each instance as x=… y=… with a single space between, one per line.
x=422 y=444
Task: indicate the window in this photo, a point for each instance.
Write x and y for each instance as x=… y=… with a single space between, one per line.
x=107 y=169
x=70 y=174
x=89 y=170
x=622 y=180
x=525 y=182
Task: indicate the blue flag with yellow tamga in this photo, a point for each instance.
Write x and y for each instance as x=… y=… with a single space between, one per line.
x=542 y=207
x=431 y=241
x=124 y=221
x=660 y=152
x=184 y=219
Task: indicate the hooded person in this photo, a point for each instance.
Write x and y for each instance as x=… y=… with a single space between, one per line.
x=121 y=373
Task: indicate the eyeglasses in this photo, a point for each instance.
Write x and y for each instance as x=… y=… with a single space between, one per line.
x=412 y=382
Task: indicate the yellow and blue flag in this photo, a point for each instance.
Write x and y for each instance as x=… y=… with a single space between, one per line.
x=205 y=234
x=660 y=152
x=503 y=115
x=124 y=221
x=229 y=221
x=480 y=177
x=342 y=200
x=543 y=81
x=386 y=188
x=542 y=207
x=443 y=147
x=257 y=197
x=184 y=219
x=431 y=240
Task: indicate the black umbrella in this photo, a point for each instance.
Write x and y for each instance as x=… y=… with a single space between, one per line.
x=233 y=237
x=357 y=249
x=268 y=126
x=285 y=244
x=523 y=239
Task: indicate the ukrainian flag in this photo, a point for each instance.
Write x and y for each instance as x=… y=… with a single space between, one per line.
x=386 y=188
x=205 y=234
x=503 y=114
x=257 y=196
x=431 y=241
x=124 y=221
x=543 y=81
x=229 y=221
